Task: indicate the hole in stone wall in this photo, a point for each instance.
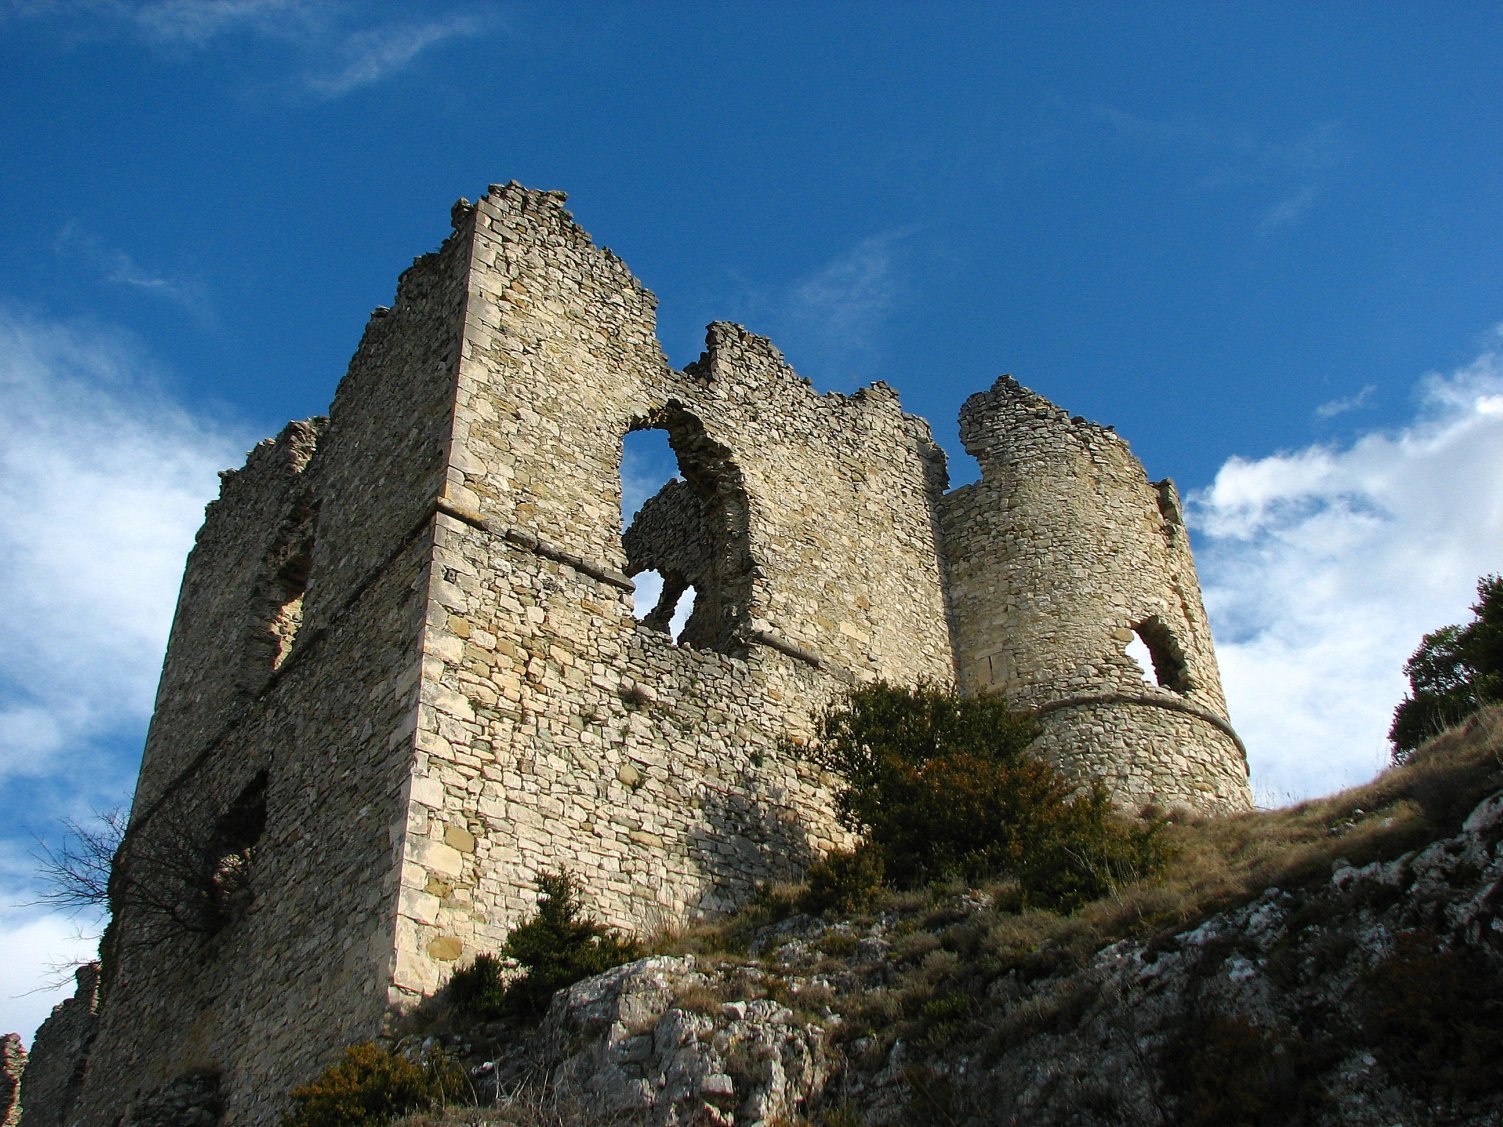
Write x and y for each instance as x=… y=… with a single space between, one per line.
x=648 y=463
x=650 y=607
x=288 y=588
x=276 y=610
x=1137 y=649
x=1159 y=655
x=232 y=851
x=684 y=510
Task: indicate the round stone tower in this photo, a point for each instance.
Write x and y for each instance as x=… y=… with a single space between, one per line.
x=1064 y=562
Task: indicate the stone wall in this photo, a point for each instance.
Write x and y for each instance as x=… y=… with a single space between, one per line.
x=60 y=1052
x=12 y=1066
x=406 y=676
x=235 y=588
x=1058 y=557
x=556 y=730
x=262 y=990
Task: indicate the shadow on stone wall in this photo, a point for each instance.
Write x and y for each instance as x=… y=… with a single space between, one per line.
x=743 y=833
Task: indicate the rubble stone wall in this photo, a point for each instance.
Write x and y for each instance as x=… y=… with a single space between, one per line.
x=556 y=729
x=59 y=1053
x=304 y=967
x=1058 y=557
x=408 y=634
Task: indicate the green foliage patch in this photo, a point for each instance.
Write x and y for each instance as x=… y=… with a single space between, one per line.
x=370 y=1086
x=1455 y=671
x=479 y=989
x=942 y=787
x=558 y=947
x=844 y=881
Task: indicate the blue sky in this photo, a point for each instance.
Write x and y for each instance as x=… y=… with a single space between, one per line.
x=1261 y=240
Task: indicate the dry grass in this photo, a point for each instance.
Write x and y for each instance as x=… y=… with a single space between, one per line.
x=1219 y=862
x=1216 y=863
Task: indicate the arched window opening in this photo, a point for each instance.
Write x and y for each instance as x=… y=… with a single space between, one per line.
x=684 y=516
x=1137 y=649
x=1159 y=656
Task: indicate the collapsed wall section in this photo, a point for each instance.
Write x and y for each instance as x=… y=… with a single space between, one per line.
x=556 y=729
x=239 y=603
x=1057 y=559
x=255 y=895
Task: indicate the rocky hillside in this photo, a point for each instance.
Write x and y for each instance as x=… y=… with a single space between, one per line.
x=1340 y=962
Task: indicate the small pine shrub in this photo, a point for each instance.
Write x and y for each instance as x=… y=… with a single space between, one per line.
x=478 y=990
x=943 y=788
x=843 y=881
x=557 y=947
x=370 y=1086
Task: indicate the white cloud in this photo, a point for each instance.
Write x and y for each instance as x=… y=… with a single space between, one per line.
x=102 y=485
x=337 y=46
x=1323 y=567
x=832 y=319
x=1334 y=407
x=369 y=56
x=196 y=22
x=41 y=949
x=850 y=293
x=1294 y=169
x=115 y=265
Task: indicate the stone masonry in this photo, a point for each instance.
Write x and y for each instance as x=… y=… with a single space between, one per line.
x=405 y=675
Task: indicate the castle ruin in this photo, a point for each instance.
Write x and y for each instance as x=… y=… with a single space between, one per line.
x=405 y=675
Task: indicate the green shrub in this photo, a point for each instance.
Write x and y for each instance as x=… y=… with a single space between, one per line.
x=1455 y=671
x=478 y=990
x=942 y=788
x=557 y=948
x=843 y=881
x=370 y=1086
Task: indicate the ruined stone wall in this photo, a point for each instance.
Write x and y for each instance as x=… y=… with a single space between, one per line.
x=406 y=643
x=223 y=647
x=12 y=1066
x=59 y=1053
x=301 y=967
x=556 y=729
x=1057 y=557
x=300 y=962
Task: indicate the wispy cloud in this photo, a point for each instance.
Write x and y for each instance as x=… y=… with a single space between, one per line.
x=335 y=46
x=118 y=267
x=1323 y=567
x=832 y=320
x=102 y=484
x=1334 y=407
x=370 y=56
x=100 y=478
x=847 y=298
x=196 y=23
x=1293 y=170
